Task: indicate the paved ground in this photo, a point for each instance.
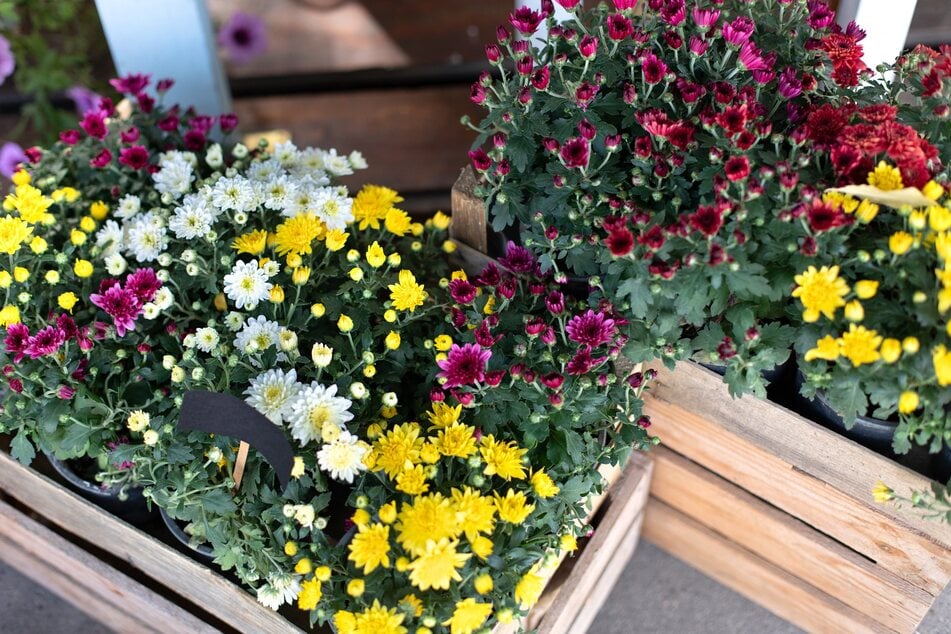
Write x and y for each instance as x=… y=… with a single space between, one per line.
x=656 y=595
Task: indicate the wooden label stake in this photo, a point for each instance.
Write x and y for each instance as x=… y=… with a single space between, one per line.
x=238 y=472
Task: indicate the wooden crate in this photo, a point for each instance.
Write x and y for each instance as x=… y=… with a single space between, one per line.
x=780 y=509
x=143 y=585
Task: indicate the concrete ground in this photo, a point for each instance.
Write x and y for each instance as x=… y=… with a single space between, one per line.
x=657 y=594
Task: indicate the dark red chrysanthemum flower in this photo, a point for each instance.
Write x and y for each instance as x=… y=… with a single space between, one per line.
x=18 y=336
x=620 y=242
x=517 y=258
x=462 y=291
x=135 y=157
x=707 y=220
x=737 y=168
x=823 y=216
x=575 y=153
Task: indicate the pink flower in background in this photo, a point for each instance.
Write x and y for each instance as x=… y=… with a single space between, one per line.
x=94 y=124
x=464 y=365
x=243 y=36
x=84 y=99
x=7 y=62
x=591 y=329
x=11 y=155
x=131 y=84
x=136 y=156
x=526 y=20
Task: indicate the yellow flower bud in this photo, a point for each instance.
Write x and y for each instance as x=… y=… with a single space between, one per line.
x=441 y=221
x=294 y=260
x=5 y=279
x=355 y=587
x=920 y=297
x=87 y=224
x=417 y=229
x=891 y=350
x=388 y=513
x=449 y=246
x=939 y=218
x=77 y=237
x=277 y=294
x=390 y=316
x=483 y=584
x=99 y=210
x=52 y=277
x=322 y=573
x=443 y=343
x=336 y=239
x=345 y=324
x=932 y=190
x=910 y=345
x=317 y=310
x=881 y=493
x=290 y=549
x=866 y=289
x=395 y=259
x=356 y=274
x=854 y=311
x=402 y=564
x=900 y=242
x=353 y=256
x=304 y=567
x=361 y=517
x=393 y=340
x=20 y=274
x=369 y=371
x=9 y=315
x=918 y=220
x=82 y=268
x=568 y=543
x=67 y=301
x=297 y=470
x=300 y=275
x=907 y=402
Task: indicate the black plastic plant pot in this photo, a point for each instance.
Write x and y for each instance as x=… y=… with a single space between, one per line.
x=130 y=506
x=202 y=552
x=779 y=379
x=869 y=432
x=943 y=469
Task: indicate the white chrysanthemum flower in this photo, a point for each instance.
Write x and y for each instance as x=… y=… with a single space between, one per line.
x=214 y=157
x=334 y=209
x=110 y=238
x=234 y=194
x=206 y=339
x=287 y=585
x=116 y=264
x=258 y=331
x=303 y=201
x=312 y=159
x=278 y=192
x=192 y=220
x=175 y=175
x=163 y=298
x=270 y=597
x=146 y=237
x=246 y=285
x=262 y=171
x=357 y=161
x=273 y=393
x=129 y=205
x=271 y=268
x=234 y=321
x=286 y=153
x=343 y=458
x=336 y=165
x=150 y=311
x=315 y=407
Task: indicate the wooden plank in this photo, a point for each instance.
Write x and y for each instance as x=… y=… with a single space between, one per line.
x=468 y=213
x=578 y=601
x=802 y=468
x=166 y=566
x=787 y=543
x=92 y=586
x=411 y=138
x=750 y=575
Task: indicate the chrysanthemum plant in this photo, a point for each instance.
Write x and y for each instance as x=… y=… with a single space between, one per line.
x=87 y=295
x=659 y=150
x=875 y=337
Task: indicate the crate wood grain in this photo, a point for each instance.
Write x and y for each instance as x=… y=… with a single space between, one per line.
x=795 y=499
x=569 y=604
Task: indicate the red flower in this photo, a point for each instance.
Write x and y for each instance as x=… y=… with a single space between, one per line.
x=619 y=27
x=462 y=291
x=517 y=258
x=823 y=216
x=18 y=336
x=653 y=238
x=737 y=168
x=526 y=20
x=69 y=137
x=653 y=68
x=588 y=47
x=480 y=160
x=194 y=140
x=102 y=159
x=135 y=156
x=94 y=124
x=738 y=31
x=707 y=220
x=555 y=302
x=620 y=242
x=228 y=122
x=552 y=380
x=585 y=94
x=143 y=283
x=464 y=365
x=540 y=78
x=575 y=153
x=45 y=342
x=733 y=119
x=131 y=84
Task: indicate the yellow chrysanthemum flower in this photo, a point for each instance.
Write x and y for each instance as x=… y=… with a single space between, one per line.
x=456 y=440
x=941 y=358
x=483 y=583
x=412 y=481
x=82 y=268
x=908 y=402
x=821 y=292
x=942 y=246
x=482 y=547
x=476 y=513
x=429 y=517
x=398 y=450
x=376 y=257
x=939 y=218
x=412 y=604
x=468 y=616
x=854 y=311
x=891 y=350
x=860 y=345
x=932 y=190
x=398 y=222
x=309 y=596
x=866 y=211
x=392 y=340
x=67 y=301
x=371 y=204
x=336 y=239
x=407 y=294
x=252 y=243
x=30 y=203
x=444 y=414
x=9 y=315
x=370 y=547
x=866 y=289
x=568 y=543
x=502 y=458
x=543 y=485
x=885 y=177
x=826 y=348
x=344 y=622
x=438 y=565
x=87 y=224
x=297 y=234
x=21 y=177
x=13 y=233
x=900 y=241
x=378 y=619
x=882 y=493
x=38 y=245
x=529 y=589
x=514 y=507
x=356 y=587
x=441 y=221
x=442 y=343
x=99 y=210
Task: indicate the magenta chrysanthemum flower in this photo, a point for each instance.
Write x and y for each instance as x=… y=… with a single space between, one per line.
x=575 y=153
x=45 y=342
x=94 y=124
x=135 y=157
x=555 y=302
x=464 y=365
x=738 y=31
x=244 y=37
x=143 y=283
x=591 y=329
x=517 y=259
x=18 y=336
x=462 y=291
x=526 y=20
x=120 y=304
x=131 y=84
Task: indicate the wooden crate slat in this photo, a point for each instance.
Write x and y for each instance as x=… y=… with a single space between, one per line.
x=411 y=138
x=787 y=543
x=580 y=598
x=468 y=214
x=192 y=581
x=801 y=468
x=92 y=586
x=760 y=581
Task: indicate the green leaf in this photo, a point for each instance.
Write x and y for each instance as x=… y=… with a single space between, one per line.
x=22 y=449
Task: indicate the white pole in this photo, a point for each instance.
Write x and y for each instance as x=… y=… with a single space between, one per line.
x=168 y=38
x=885 y=21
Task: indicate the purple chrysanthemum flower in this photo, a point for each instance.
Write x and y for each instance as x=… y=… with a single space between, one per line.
x=517 y=259
x=120 y=304
x=11 y=155
x=45 y=342
x=144 y=284
x=591 y=329
x=244 y=37
x=8 y=63
x=84 y=99
x=18 y=336
x=464 y=365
